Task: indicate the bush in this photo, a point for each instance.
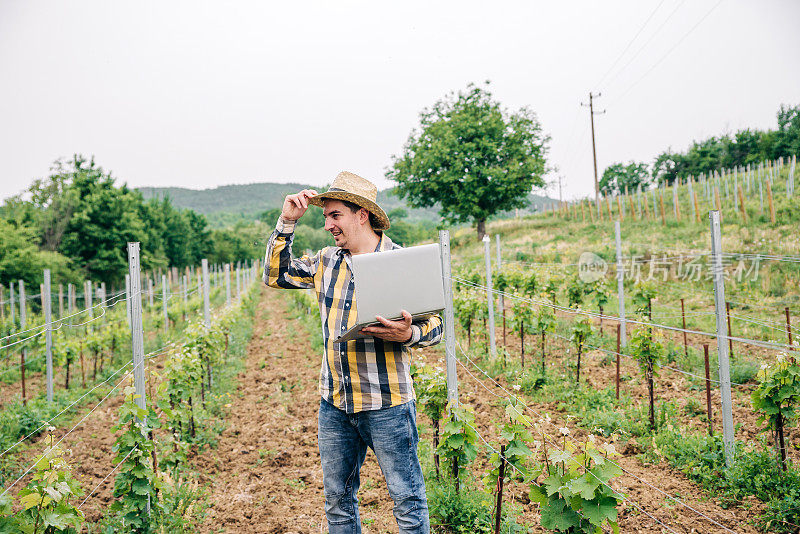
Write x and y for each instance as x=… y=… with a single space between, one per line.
x=465 y=511
x=468 y=511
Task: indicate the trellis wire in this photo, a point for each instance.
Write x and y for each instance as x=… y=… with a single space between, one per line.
x=755 y=342
x=678 y=501
x=108 y=475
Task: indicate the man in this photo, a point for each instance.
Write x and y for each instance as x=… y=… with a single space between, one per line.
x=365 y=384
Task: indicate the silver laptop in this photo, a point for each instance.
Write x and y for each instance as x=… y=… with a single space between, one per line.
x=387 y=282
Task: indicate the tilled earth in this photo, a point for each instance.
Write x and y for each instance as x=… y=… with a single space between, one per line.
x=265 y=475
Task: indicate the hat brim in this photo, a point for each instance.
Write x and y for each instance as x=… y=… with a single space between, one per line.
x=380 y=215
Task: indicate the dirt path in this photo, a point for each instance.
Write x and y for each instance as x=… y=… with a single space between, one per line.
x=265 y=475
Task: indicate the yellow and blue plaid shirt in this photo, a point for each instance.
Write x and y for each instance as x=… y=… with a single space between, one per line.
x=358 y=375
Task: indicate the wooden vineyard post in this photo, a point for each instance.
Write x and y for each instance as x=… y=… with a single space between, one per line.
x=675 y=202
x=60 y=300
x=708 y=391
x=661 y=206
x=619 y=208
x=22 y=325
x=633 y=209
x=583 y=214
x=717 y=201
x=741 y=203
x=608 y=208
x=591 y=215
x=683 y=320
x=696 y=207
x=769 y=199
x=502 y=474
x=618 y=353
x=728 y=315
x=646 y=208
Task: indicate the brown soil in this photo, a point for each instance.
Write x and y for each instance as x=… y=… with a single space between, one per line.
x=265 y=474
x=598 y=370
x=89 y=446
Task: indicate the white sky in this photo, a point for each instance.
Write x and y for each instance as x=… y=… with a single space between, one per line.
x=200 y=94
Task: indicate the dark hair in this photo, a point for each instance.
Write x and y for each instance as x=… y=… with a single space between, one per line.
x=373 y=221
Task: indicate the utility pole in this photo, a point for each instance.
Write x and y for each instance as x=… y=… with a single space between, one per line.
x=592 y=113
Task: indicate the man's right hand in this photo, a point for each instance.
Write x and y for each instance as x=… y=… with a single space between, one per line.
x=294 y=206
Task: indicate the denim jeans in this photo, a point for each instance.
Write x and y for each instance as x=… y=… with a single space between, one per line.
x=343 y=442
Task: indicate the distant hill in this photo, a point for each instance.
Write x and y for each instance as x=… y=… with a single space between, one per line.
x=228 y=204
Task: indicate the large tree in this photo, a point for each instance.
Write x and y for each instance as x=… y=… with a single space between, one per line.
x=472 y=157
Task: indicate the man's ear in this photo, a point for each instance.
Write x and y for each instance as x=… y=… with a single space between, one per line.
x=363 y=216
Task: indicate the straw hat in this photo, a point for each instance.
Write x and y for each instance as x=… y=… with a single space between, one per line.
x=360 y=191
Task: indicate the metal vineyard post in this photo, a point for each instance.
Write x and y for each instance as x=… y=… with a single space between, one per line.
x=48 y=335
x=722 y=346
x=620 y=284
x=449 y=318
x=489 y=295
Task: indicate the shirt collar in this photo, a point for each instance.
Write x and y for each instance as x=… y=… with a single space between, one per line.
x=383 y=244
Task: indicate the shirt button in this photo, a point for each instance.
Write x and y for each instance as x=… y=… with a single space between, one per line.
x=347 y=305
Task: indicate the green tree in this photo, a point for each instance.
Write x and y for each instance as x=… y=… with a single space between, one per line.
x=788 y=138
x=472 y=157
x=104 y=221
x=618 y=177
x=21 y=259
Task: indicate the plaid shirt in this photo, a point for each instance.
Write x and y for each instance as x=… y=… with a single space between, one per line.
x=362 y=374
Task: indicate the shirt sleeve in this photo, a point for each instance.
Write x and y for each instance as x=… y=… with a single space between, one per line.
x=281 y=268
x=426 y=333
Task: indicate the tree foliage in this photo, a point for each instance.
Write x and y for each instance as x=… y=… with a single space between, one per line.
x=617 y=178
x=78 y=222
x=472 y=157
x=748 y=146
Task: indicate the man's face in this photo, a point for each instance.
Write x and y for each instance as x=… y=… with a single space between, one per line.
x=342 y=223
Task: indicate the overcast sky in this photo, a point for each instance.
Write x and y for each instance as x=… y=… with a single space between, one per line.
x=200 y=94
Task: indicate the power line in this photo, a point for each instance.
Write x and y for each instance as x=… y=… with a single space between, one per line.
x=662 y=58
x=653 y=36
x=629 y=43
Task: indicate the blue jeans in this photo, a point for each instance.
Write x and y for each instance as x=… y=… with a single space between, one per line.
x=343 y=442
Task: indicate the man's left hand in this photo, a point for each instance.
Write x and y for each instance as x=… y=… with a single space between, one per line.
x=399 y=331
